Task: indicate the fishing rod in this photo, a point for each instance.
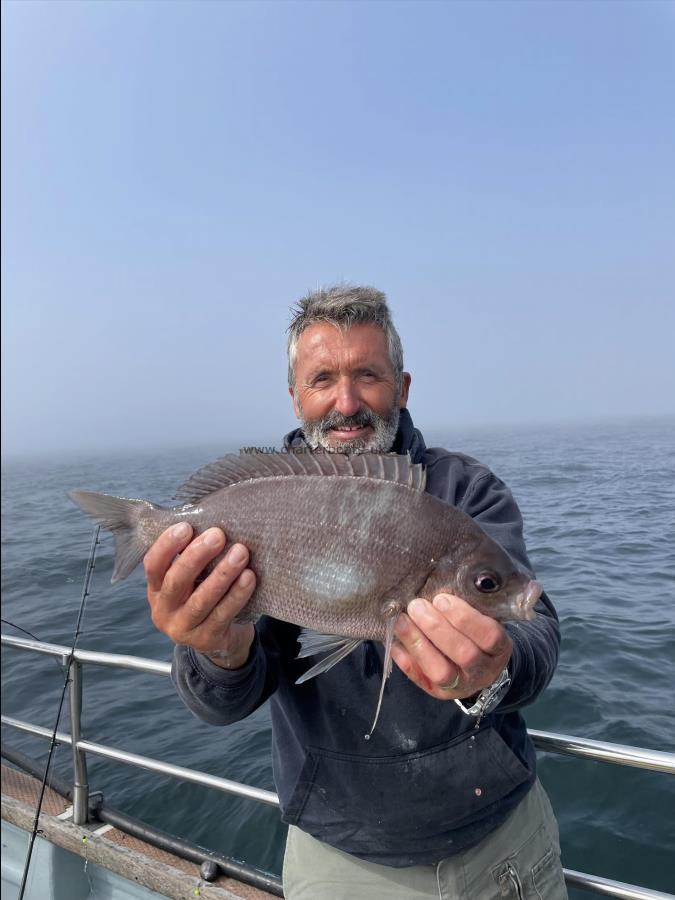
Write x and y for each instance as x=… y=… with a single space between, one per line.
x=69 y=662
x=19 y=628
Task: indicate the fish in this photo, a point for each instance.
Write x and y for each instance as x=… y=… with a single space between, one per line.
x=339 y=543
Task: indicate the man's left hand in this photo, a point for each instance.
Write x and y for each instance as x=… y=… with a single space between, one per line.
x=448 y=648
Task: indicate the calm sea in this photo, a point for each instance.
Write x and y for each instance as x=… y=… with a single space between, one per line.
x=599 y=508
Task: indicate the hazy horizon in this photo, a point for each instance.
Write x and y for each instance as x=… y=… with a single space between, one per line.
x=175 y=176
x=433 y=434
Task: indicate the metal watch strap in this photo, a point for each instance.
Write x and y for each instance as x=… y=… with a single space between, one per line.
x=489 y=697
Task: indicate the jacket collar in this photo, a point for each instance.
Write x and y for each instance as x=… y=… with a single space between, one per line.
x=408 y=438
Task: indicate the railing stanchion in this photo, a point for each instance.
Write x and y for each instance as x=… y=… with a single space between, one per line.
x=80 y=781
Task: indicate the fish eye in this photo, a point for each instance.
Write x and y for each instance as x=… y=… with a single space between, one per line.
x=487 y=582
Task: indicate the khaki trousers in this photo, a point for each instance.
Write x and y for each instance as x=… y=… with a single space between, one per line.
x=520 y=860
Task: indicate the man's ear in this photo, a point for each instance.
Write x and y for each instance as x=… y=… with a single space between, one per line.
x=406 y=378
x=291 y=391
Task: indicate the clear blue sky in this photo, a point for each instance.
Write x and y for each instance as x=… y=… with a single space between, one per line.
x=176 y=174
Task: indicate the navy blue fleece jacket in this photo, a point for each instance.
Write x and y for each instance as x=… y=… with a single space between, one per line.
x=428 y=783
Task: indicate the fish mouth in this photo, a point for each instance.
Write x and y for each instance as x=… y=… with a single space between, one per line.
x=526 y=600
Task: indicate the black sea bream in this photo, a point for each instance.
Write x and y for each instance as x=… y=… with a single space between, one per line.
x=339 y=544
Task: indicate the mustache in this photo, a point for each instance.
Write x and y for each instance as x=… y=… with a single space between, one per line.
x=360 y=419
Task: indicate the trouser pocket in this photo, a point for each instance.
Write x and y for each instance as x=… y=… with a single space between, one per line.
x=533 y=872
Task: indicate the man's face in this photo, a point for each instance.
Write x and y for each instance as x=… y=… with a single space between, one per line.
x=345 y=390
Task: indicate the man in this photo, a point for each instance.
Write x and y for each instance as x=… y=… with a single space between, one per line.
x=443 y=801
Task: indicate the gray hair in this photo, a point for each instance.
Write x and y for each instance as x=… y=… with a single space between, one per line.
x=344 y=305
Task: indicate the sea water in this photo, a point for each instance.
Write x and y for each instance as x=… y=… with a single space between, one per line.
x=598 y=502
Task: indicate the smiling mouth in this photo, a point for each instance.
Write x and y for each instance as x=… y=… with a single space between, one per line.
x=354 y=431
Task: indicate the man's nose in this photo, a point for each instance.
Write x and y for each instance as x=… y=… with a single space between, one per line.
x=347 y=400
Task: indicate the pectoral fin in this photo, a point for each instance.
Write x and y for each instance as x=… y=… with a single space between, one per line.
x=335 y=646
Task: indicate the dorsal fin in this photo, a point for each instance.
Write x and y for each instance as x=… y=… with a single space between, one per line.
x=234 y=468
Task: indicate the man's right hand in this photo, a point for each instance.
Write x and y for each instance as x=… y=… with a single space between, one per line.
x=201 y=615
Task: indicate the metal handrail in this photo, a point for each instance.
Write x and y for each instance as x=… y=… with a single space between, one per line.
x=147 y=762
x=610 y=888
x=546 y=741
x=98 y=658
x=619 y=754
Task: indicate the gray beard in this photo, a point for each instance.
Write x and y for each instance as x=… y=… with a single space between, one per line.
x=381 y=440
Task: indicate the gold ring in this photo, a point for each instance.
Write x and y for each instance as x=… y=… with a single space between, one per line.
x=450 y=686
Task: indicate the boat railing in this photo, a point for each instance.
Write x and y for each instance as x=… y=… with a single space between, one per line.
x=548 y=742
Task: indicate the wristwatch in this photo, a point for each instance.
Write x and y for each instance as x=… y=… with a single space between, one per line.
x=489 y=698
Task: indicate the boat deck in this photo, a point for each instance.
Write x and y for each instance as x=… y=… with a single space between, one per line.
x=110 y=848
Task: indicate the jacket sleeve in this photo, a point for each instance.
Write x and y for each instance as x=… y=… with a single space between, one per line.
x=222 y=696
x=536 y=644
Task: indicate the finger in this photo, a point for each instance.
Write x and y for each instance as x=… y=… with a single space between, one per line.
x=159 y=557
x=478 y=668
x=448 y=640
x=179 y=581
x=208 y=594
x=234 y=601
x=485 y=632
x=436 y=666
x=410 y=668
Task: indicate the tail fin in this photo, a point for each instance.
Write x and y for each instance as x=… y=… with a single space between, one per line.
x=122 y=517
